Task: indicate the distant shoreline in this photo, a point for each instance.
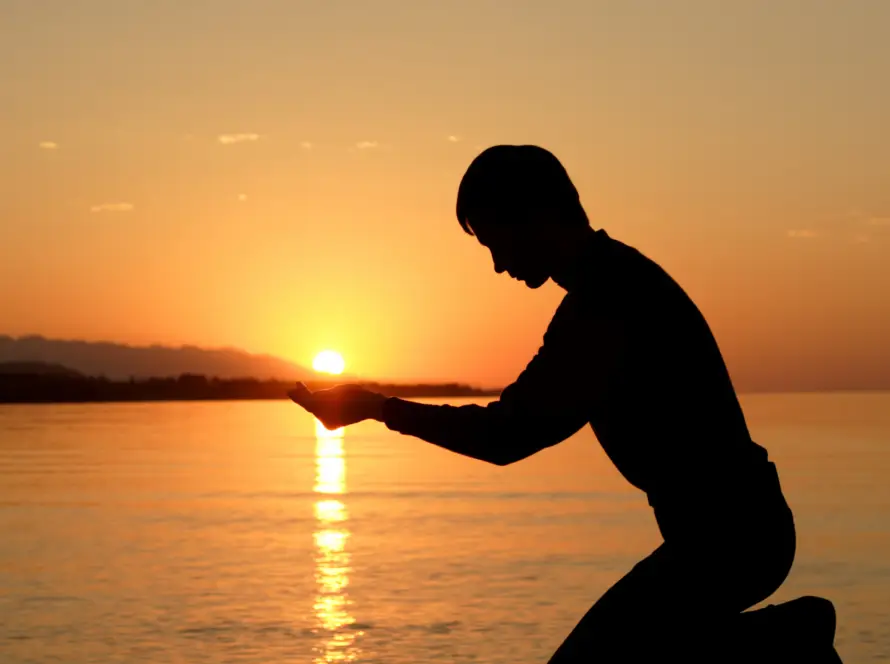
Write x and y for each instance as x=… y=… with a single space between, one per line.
x=44 y=383
x=51 y=388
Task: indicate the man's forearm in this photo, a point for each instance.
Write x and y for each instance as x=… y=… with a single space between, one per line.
x=471 y=430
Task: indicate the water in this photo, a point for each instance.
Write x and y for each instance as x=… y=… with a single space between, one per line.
x=239 y=532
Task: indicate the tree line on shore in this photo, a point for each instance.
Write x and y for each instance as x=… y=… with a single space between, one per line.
x=59 y=385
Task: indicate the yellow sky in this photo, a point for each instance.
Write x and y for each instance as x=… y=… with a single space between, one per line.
x=280 y=175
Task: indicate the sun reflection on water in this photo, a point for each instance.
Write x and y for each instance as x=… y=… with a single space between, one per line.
x=332 y=558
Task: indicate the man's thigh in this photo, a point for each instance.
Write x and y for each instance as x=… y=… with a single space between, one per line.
x=664 y=601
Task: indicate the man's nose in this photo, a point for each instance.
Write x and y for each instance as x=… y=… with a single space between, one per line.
x=498 y=260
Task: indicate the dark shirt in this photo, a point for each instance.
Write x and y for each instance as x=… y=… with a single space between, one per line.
x=627 y=352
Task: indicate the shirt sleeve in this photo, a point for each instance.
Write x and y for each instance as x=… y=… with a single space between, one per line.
x=549 y=401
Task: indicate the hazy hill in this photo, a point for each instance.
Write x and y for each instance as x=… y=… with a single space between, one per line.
x=118 y=361
x=35 y=369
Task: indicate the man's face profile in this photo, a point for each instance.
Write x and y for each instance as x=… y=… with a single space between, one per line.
x=516 y=247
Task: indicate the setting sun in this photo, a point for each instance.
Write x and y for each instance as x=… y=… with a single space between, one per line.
x=329 y=361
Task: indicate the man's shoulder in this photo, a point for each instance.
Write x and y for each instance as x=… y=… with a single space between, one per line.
x=643 y=290
x=618 y=255
x=625 y=269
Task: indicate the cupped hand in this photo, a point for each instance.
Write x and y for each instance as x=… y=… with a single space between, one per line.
x=339 y=406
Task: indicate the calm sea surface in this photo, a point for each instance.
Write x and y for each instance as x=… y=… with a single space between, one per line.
x=238 y=532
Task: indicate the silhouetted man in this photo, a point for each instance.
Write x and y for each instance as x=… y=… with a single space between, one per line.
x=630 y=354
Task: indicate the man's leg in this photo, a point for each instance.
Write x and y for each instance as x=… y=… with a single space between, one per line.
x=647 y=614
x=683 y=594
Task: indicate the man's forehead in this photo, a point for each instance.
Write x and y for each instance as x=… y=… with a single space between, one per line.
x=477 y=224
x=482 y=218
x=493 y=220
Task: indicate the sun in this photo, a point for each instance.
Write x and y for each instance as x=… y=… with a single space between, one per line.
x=329 y=361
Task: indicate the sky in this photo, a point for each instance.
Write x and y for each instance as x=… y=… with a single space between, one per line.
x=280 y=175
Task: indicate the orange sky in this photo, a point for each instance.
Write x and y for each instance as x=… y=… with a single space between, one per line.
x=280 y=176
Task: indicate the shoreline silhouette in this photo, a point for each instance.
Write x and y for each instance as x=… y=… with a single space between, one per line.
x=36 y=383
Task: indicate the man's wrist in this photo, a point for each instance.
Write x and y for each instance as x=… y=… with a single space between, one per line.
x=377 y=404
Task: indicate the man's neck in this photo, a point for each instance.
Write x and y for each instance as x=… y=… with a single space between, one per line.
x=572 y=250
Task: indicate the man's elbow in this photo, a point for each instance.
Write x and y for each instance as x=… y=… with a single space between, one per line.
x=509 y=452
x=508 y=444
x=502 y=460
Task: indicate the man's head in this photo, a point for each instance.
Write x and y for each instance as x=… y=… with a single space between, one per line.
x=520 y=203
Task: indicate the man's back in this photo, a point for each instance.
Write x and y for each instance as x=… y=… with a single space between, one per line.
x=670 y=411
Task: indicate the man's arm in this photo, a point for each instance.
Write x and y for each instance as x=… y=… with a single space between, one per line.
x=549 y=401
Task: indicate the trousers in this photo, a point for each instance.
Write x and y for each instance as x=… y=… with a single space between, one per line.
x=721 y=555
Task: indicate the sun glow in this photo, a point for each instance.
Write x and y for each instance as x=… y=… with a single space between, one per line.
x=329 y=361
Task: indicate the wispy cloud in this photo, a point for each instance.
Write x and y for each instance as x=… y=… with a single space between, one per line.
x=454 y=139
x=231 y=139
x=367 y=145
x=803 y=233
x=879 y=221
x=242 y=197
x=112 y=207
x=306 y=145
x=860 y=238
x=48 y=145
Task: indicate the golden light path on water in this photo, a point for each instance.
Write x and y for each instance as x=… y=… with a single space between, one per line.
x=332 y=557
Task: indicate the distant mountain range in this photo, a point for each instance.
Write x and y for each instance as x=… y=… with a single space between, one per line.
x=37 y=369
x=121 y=362
x=118 y=362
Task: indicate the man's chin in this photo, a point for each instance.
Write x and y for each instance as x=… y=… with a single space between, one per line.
x=535 y=283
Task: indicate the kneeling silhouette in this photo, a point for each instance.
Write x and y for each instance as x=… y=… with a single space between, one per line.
x=629 y=354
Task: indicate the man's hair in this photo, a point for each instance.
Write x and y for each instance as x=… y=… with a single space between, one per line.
x=514 y=180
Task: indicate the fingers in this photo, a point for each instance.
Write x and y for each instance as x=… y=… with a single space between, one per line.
x=300 y=395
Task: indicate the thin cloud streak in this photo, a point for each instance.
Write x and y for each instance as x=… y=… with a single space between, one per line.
x=48 y=145
x=803 y=233
x=367 y=145
x=306 y=145
x=879 y=221
x=232 y=139
x=113 y=207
